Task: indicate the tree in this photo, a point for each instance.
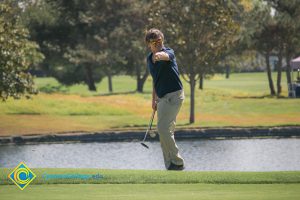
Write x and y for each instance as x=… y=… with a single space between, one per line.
x=200 y=32
x=134 y=24
x=99 y=45
x=234 y=56
x=287 y=14
x=264 y=44
x=60 y=29
x=78 y=31
x=107 y=35
x=259 y=35
x=17 y=54
x=96 y=38
x=245 y=61
x=273 y=33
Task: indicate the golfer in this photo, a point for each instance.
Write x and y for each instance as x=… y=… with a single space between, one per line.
x=167 y=95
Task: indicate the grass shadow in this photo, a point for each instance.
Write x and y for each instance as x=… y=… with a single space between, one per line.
x=185 y=124
x=24 y=113
x=139 y=126
x=121 y=93
x=132 y=126
x=261 y=97
x=49 y=89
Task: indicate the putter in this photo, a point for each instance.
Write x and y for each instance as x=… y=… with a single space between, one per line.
x=149 y=128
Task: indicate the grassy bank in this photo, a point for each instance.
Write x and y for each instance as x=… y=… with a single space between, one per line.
x=156 y=177
x=142 y=184
x=241 y=100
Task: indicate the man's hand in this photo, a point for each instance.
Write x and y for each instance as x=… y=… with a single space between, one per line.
x=161 y=56
x=154 y=105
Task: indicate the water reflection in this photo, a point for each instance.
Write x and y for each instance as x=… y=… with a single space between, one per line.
x=202 y=155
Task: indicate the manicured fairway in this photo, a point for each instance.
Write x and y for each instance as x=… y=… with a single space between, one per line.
x=153 y=191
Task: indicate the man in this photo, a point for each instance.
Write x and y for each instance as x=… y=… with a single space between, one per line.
x=167 y=95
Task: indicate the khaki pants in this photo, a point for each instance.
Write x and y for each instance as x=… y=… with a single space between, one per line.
x=167 y=109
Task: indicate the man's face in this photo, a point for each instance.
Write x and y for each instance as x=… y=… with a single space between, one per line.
x=155 y=44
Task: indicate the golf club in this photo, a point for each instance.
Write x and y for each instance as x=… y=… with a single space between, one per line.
x=149 y=128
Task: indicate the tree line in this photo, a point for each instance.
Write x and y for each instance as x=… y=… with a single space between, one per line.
x=83 y=41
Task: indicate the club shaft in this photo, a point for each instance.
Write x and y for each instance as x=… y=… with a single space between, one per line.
x=149 y=126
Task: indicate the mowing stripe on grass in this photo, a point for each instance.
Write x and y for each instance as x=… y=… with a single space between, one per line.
x=153 y=191
x=105 y=176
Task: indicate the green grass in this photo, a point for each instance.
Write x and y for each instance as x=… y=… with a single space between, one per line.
x=153 y=191
x=145 y=184
x=242 y=100
x=246 y=84
x=158 y=177
x=121 y=84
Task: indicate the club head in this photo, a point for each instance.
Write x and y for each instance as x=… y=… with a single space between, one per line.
x=152 y=133
x=144 y=145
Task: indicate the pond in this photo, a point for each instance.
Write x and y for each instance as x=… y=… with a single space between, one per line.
x=199 y=155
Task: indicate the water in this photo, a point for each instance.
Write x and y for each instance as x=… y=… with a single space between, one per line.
x=199 y=155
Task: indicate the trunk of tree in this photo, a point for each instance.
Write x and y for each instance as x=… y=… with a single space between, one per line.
x=141 y=80
x=227 y=71
x=192 y=100
x=271 y=85
x=288 y=68
x=89 y=78
x=110 y=86
x=201 y=81
x=279 y=70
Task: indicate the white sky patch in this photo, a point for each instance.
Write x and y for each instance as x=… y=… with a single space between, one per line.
x=272 y=12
